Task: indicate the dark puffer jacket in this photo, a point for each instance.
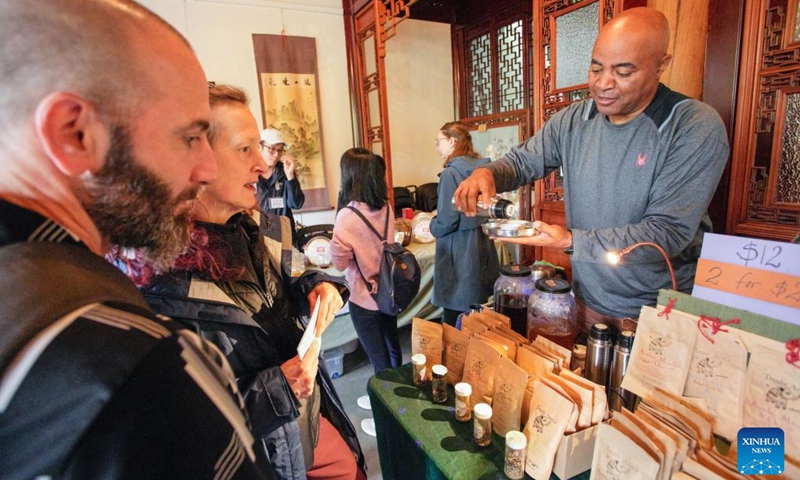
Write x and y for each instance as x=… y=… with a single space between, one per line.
x=256 y=345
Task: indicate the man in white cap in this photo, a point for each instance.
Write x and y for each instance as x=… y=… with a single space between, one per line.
x=279 y=189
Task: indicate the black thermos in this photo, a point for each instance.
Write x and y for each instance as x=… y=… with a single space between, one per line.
x=618 y=397
x=598 y=354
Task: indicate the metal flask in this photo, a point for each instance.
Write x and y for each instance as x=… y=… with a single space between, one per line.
x=598 y=354
x=497 y=208
x=618 y=397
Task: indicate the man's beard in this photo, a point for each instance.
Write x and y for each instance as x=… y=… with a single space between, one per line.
x=133 y=208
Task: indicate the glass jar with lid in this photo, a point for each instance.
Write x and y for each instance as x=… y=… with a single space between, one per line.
x=511 y=292
x=552 y=312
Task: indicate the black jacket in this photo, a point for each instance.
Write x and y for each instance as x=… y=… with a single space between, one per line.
x=278 y=186
x=256 y=345
x=111 y=391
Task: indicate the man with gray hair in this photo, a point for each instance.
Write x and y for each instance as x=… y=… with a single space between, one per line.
x=104 y=115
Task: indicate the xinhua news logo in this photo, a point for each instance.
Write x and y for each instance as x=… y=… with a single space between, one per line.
x=760 y=451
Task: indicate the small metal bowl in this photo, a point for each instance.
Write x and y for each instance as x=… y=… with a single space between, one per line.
x=509 y=228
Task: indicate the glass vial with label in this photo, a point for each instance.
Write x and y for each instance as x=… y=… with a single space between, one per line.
x=439 y=383
x=515 y=455
x=420 y=374
x=482 y=425
x=463 y=410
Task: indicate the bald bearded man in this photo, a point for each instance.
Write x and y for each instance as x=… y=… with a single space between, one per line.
x=640 y=164
x=104 y=112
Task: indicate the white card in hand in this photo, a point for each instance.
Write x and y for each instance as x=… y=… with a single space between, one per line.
x=310 y=333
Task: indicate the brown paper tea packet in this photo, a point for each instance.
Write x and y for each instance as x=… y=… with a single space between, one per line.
x=497 y=317
x=617 y=456
x=509 y=391
x=693 y=469
x=557 y=360
x=471 y=326
x=679 y=442
x=772 y=394
x=426 y=338
x=697 y=422
x=624 y=425
x=661 y=353
x=535 y=366
x=671 y=422
x=661 y=441
x=501 y=349
x=572 y=419
x=718 y=370
x=555 y=348
x=485 y=319
x=455 y=352
x=791 y=469
x=709 y=461
x=511 y=346
x=684 y=476
x=599 y=399
x=544 y=429
x=479 y=367
x=526 y=402
x=533 y=363
x=727 y=463
x=507 y=332
x=581 y=396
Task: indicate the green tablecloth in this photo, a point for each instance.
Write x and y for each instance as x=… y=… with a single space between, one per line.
x=419 y=439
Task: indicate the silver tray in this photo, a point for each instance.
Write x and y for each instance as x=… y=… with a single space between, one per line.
x=509 y=228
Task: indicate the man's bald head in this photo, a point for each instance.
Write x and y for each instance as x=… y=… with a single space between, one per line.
x=642 y=27
x=628 y=58
x=79 y=46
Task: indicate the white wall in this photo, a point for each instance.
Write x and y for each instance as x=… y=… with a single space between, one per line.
x=418 y=64
x=419 y=83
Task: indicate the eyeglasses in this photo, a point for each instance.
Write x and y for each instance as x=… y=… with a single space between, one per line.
x=262 y=145
x=436 y=142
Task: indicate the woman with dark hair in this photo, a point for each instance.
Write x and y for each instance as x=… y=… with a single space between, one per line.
x=355 y=246
x=466 y=264
x=233 y=285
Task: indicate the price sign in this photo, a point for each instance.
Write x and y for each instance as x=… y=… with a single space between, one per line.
x=757 y=275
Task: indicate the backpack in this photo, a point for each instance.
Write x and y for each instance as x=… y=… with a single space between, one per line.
x=427 y=197
x=397 y=282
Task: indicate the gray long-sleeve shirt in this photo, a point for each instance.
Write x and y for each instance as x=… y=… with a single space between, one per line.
x=648 y=180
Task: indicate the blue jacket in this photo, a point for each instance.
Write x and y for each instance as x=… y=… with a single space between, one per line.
x=466 y=264
x=256 y=345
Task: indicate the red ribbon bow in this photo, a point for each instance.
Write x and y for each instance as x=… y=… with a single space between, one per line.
x=714 y=324
x=668 y=308
x=793 y=355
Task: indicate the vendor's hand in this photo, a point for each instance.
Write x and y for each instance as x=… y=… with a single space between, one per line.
x=288 y=166
x=480 y=183
x=301 y=374
x=554 y=236
x=330 y=302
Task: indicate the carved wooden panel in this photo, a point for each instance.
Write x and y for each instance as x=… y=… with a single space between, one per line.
x=479 y=74
x=766 y=151
x=511 y=67
x=552 y=99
